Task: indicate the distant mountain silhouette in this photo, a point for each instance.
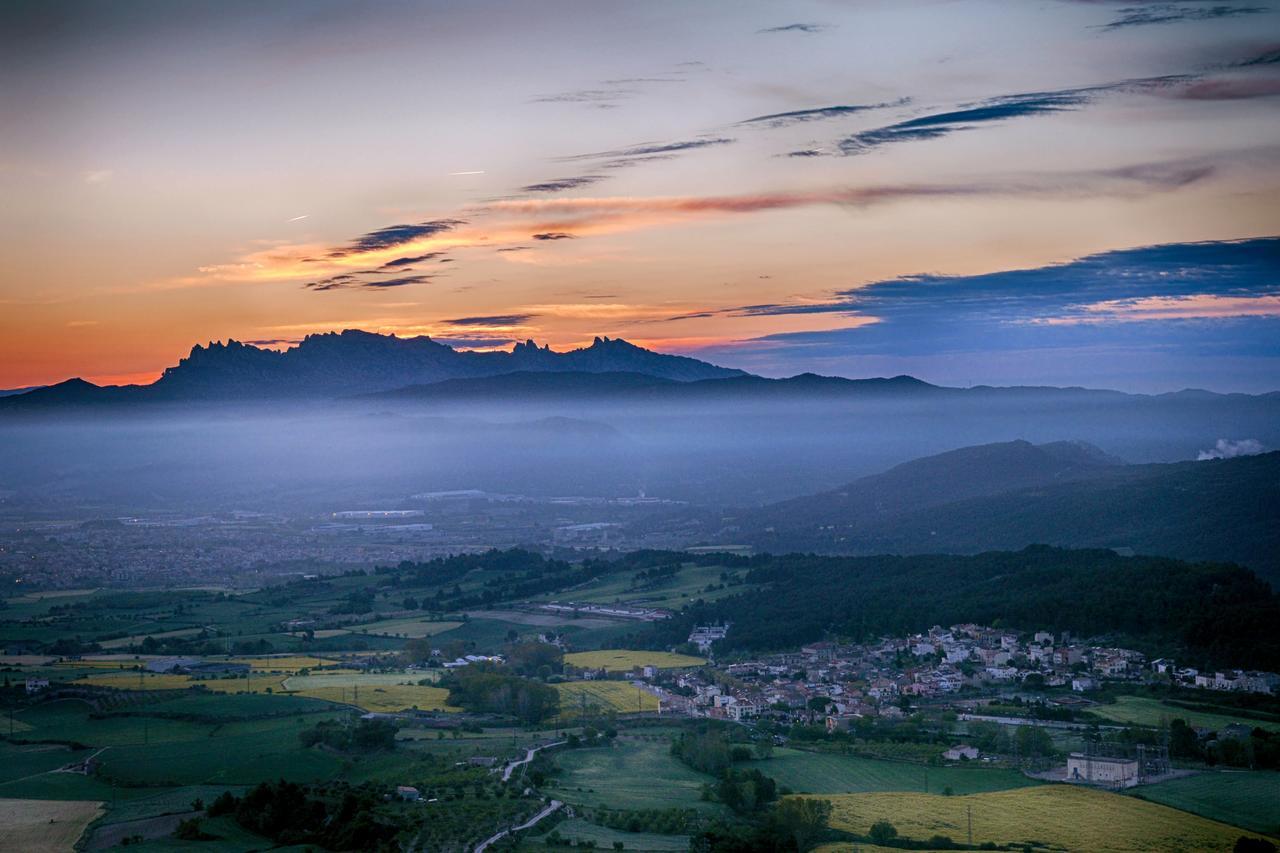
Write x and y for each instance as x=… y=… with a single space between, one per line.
x=969 y=472
x=356 y=362
x=1003 y=496
x=635 y=384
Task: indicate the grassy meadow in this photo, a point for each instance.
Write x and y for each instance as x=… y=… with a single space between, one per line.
x=823 y=773
x=1144 y=711
x=638 y=773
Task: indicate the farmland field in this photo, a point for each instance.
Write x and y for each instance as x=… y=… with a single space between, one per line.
x=1143 y=711
x=125 y=642
x=231 y=754
x=625 y=660
x=166 y=681
x=605 y=696
x=641 y=774
x=1061 y=816
x=284 y=663
x=45 y=826
x=821 y=773
x=646 y=842
x=373 y=691
x=409 y=628
x=1245 y=798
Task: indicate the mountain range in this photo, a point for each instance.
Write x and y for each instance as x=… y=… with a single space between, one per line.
x=355 y=362
x=364 y=365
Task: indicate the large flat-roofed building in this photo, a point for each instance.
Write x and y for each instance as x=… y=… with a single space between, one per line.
x=378 y=513
x=1102 y=770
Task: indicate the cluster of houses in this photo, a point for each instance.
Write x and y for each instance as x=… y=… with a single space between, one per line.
x=1235 y=680
x=837 y=683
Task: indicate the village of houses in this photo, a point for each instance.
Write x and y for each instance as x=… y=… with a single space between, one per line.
x=963 y=669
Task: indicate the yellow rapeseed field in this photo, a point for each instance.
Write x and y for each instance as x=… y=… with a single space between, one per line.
x=286 y=663
x=604 y=695
x=168 y=681
x=624 y=660
x=1061 y=817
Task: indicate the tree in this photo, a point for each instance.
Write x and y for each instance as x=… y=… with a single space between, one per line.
x=882 y=832
x=802 y=819
x=1034 y=742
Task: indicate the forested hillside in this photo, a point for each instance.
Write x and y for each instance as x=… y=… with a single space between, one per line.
x=1226 y=509
x=1205 y=612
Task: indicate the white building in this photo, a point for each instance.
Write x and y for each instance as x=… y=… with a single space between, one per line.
x=1100 y=770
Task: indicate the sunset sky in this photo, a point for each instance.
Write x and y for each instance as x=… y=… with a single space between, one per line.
x=1004 y=192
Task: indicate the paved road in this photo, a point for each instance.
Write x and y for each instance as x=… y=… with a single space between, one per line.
x=529 y=754
x=550 y=809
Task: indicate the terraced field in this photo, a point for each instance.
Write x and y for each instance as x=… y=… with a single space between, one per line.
x=1054 y=817
x=625 y=660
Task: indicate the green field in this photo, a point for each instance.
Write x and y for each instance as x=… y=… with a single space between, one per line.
x=636 y=774
x=1241 y=797
x=231 y=754
x=1063 y=817
x=1144 y=711
x=625 y=660
x=604 y=838
x=407 y=628
x=822 y=773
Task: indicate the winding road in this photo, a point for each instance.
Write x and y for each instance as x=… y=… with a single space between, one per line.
x=493 y=839
x=529 y=754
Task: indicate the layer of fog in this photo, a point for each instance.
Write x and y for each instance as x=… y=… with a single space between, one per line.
x=726 y=452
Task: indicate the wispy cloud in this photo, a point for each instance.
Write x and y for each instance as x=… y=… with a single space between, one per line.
x=1003 y=108
x=416 y=259
x=1194 y=301
x=648 y=149
x=775 y=120
x=395 y=235
x=807 y=28
x=553 y=235
x=1170 y=13
x=353 y=282
x=562 y=184
x=492 y=320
